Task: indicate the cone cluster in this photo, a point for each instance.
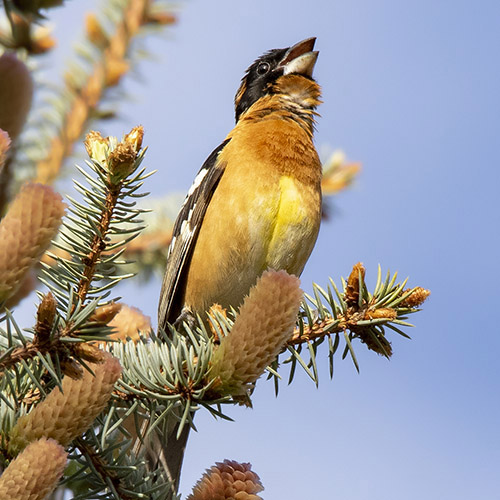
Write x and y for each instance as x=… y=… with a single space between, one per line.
x=264 y=323
x=65 y=415
x=228 y=480
x=119 y=159
x=35 y=472
x=130 y=322
x=416 y=298
x=31 y=222
x=122 y=158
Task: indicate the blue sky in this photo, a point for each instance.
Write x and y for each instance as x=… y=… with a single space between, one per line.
x=411 y=90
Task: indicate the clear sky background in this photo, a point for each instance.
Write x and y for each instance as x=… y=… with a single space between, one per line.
x=412 y=90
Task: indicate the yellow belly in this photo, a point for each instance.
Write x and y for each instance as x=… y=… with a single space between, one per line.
x=295 y=229
x=255 y=234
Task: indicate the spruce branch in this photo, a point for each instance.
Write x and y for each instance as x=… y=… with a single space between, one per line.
x=192 y=370
x=88 y=265
x=121 y=162
x=351 y=314
x=106 y=466
x=166 y=374
x=46 y=345
x=45 y=340
x=354 y=313
x=360 y=310
x=101 y=468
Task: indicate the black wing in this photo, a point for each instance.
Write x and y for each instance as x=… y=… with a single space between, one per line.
x=185 y=233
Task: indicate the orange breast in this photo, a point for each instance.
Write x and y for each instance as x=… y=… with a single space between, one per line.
x=265 y=213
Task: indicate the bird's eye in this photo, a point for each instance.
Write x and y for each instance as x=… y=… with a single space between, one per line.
x=263 y=68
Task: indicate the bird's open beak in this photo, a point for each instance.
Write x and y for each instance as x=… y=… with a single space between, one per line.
x=300 y=58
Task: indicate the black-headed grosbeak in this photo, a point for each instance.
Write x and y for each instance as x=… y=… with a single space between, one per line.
x=256 y=201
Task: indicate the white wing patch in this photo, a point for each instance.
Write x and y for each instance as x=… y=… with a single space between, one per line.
x=186 y=231
x=197 y=182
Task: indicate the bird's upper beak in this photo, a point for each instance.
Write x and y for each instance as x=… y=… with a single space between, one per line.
x=300 y=58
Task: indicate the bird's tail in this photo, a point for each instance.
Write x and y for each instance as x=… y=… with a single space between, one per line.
x=166 y=451
x=163 y=450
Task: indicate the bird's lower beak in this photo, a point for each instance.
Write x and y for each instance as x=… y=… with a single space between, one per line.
x=300 y=58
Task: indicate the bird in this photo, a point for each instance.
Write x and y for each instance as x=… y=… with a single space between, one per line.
x=255 y=204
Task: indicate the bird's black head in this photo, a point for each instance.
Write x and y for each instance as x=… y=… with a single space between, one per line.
x=260 y=76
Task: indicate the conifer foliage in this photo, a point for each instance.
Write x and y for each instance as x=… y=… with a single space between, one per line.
x=84 y=388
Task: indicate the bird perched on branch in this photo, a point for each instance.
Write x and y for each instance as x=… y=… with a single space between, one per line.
x=256 y=201
x=255 y=204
